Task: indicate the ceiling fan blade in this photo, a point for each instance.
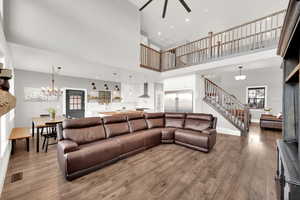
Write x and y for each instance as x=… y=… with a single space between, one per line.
x=185 y=5
x=146 y=4
x=165 y=9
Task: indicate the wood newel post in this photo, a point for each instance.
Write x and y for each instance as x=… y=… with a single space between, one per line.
x=246 y=120
x=219 y=48
x=210 y=35
x=160 y=61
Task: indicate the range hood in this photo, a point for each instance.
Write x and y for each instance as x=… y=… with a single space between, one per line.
x=145 y=95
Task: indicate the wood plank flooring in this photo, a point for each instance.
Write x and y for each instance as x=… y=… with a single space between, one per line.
x=236 y=169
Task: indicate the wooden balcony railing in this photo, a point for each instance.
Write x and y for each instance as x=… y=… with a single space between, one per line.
x=256 y=35
x=150 y=58
x=228 y=106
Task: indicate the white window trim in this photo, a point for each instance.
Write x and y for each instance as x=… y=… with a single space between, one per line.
x=266 y=96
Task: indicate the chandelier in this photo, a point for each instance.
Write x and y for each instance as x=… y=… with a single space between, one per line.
x=52 y=90
x=240 y=77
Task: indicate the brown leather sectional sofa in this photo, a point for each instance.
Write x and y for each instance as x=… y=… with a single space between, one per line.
x=90 y=143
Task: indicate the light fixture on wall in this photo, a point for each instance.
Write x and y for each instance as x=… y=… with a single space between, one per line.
x=106 y=86
x=52 y=90
x=94 y=86
x=240 y=77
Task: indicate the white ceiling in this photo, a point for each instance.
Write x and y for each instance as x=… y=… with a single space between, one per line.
x=106 y=32
x=206 y=15
x=33 y=59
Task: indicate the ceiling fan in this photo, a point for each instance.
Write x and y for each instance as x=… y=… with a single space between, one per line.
x=166 y=5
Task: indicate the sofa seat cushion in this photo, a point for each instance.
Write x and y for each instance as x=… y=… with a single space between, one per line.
x=155 y=123
x=137 y=125
x=84 y=135
x=152 y=136
x=131 y=142
x=198 y=122
x=155 y=120
x=195 y=138
x=168 y=133
x=82 y=131
x=93 y=154
x=116 y=129
x=175 y=120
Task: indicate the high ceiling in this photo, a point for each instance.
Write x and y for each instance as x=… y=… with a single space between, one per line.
x=206 y=15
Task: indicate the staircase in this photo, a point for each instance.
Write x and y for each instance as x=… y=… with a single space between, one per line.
x=228 y=106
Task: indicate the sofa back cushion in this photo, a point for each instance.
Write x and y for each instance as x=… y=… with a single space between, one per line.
x=136 y=122
x=83 y=130
x=174 y=120
x=154 y=120
x=116 y=125
x=198 y=122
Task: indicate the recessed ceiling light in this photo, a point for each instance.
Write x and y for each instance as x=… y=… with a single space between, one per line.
x=187 y=19
x=159 y=33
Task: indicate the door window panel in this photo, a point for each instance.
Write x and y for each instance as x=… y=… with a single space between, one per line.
x=75 y=102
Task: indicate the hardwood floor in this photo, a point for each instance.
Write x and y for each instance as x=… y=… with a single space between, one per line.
x=236 y=169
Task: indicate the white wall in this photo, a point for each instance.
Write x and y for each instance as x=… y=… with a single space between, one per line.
x=6 y=121
x=180 y=83
x=105 y=32
x=269 y=76
x=223 y=125
x=131 y=92
x=25 y=110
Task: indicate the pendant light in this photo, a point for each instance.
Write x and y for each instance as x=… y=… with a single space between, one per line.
x=52 y=90
x=240 y=77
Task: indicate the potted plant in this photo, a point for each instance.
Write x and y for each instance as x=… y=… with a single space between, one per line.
x=52 y=113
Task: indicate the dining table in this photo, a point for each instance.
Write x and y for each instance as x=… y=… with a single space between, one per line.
x=40 y=123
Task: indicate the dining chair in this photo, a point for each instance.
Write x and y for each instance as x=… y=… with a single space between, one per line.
x=50 y=133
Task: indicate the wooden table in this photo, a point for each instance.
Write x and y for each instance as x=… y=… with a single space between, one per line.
x=40 y=123
x=19 y=134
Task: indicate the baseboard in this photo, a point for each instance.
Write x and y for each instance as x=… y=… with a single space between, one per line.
x=4 y=164
x=228 y=131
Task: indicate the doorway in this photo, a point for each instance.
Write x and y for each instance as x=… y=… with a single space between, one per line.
x=75 y=103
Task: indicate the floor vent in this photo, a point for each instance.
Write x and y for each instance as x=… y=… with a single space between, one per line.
x=16 y=177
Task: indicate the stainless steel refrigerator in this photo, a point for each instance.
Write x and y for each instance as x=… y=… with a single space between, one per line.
x=179 y=101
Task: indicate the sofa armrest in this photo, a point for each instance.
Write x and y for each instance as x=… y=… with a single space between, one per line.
x=67 y=146
x=209 y=131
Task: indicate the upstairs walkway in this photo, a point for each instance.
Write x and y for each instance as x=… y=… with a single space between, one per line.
x=258 y=35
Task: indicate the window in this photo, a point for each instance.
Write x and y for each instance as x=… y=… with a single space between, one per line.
x=256 y=97
x=75 y=102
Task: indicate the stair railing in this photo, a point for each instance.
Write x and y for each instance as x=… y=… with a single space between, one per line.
x=227 y=105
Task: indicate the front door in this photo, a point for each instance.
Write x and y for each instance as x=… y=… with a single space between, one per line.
x=75 y=103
